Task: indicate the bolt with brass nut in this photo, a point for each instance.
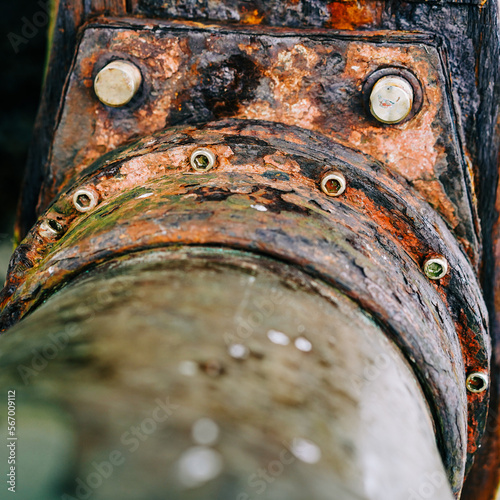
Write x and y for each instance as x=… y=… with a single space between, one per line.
x=391 y=99
x=203 y=160
x=436 y=268
x=477 y=382
x=85 y=199
x=117 y=83
x=333 y=184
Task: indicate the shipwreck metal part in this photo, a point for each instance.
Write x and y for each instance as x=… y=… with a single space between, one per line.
x=85 y=199
x=263 y=198
x=333 y=184
x=468 y=38
x=315 y=80
x=391 y=100
x=417 y=97
x=477 y=382
x=203 y=160
x=436 y=268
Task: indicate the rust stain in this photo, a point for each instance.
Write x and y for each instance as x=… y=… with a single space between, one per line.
x=484 y=478
x=292 y=103
x=353 y=15
x=156 y=179
x=433 y=191
x=251 y=16
x=413 y=148
x=409 y=147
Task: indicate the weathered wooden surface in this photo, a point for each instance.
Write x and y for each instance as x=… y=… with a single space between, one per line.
x=160 y=326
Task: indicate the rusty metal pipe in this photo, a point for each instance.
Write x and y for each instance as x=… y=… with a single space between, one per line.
x=265 y=194
x=380 y=220
x=278 y=386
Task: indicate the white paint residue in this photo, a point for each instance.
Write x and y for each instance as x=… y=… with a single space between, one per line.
x=188 y=368
x=205 y=432
x=145 y=195
x=199 y=465
x=260 y=208
x=306 y=450
x=278 y=338
x=238 y=351
x=302 y=344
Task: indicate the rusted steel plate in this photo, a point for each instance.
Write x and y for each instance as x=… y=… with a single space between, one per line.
x=314 y=80
x=264 y=197
x=472 y=39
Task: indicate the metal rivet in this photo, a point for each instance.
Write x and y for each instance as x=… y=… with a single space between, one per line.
x=391 y=99
x=51 y=228
x=477 y=382
x=333 y=184
x=436 y=268
x=85 y=199
x=117 y=83
x=203 y=160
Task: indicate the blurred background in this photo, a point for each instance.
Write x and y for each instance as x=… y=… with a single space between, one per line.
x=23 y=45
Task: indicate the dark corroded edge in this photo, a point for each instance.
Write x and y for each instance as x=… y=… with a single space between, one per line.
x=392 y=205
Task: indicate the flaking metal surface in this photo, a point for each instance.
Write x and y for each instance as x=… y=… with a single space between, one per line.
x=312 y=79
x=145 y=312
x=264 y=196
x=470 y=33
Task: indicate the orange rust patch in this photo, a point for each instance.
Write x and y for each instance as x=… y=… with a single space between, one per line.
x=251 y=17
x=308 y=84
x=387 y=222
x=433 y=191
x=353 y=15
x=412 y=148
x=286 y=77
x=484 y=477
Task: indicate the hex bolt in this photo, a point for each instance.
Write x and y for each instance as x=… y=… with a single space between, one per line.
x=203 y=160
x=85 y=199
x=436 y=268
x=333 y=184
x=117 y=83
x=477 y=382
x=391 y=99
x=51 y=228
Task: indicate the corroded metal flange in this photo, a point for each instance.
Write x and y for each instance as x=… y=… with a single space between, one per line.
x=315 y=79
x=263 y=195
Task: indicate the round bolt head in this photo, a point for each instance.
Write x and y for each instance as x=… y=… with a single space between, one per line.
x=85 y=199
x=117 y=83
x=477 y=382
x=203 y=160
x=436 y=268
x=391 y=99
x=333 y=184
x=50 y=228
